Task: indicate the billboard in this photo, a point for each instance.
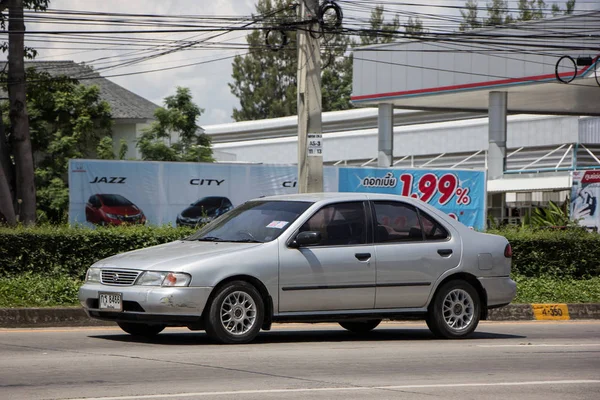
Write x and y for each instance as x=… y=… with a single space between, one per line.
x=458 y=193
x=114 y=192
x=585 y=193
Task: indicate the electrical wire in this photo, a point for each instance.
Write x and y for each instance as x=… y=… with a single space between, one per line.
x=504 y=42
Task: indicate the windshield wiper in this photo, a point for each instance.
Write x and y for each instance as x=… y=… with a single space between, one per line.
x=209 y=239
x=245 y=241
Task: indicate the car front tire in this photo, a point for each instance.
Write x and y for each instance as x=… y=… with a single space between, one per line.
x=144 y=330
x=236 y=314
x=360 y=327
x=455 y=310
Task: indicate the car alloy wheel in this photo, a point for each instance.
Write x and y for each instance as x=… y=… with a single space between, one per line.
x=235 y=314
x=458 y=309
x=454 y=311
x=238 y=313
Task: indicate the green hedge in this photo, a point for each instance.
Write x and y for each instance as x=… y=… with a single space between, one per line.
x=556 y=290
x=34 y=290
x=572 y=253
x=64 y=251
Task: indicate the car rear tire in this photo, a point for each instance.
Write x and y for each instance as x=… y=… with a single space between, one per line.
x=360 y=327
x=236 y=314
x=455 y=310
x=144 y=330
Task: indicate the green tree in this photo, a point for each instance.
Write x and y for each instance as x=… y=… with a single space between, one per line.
x=414 y=27
x=264 y=80
x=531 y=9
x=104 y=150
x=21 y=149
x=67 y=120
x=470 y=16
x=498 y=12
x=380 y=31
x=178 y=118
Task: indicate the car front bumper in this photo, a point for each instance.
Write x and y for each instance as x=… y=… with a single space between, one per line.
x=500 y=290
x=190 y=224
x=177 y=306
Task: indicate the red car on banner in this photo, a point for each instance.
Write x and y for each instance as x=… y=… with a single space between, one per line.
x=112 y=209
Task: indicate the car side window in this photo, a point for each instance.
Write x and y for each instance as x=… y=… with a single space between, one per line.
x=339 y=224
x=433 y=229
x=396 y=222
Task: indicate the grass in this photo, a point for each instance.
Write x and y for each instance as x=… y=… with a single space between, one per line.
x=34 y=290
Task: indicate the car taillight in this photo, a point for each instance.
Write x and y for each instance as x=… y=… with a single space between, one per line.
x=508 y=251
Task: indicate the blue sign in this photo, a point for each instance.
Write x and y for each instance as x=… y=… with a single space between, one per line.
x=458 y=193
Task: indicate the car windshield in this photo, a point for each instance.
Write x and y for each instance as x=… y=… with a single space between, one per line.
x=209 y=202
x=115 y=200
x=255 y=221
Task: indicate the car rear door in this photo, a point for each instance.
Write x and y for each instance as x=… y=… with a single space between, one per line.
x=413 y=249
x=338 y=273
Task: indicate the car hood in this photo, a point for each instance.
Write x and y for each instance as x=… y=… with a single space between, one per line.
x=122 y=210
x=174 y=256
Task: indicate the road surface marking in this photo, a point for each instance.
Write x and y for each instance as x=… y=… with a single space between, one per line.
x=539 y=345
x=341 y=389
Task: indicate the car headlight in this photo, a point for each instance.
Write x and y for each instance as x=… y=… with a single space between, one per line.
x=93 y=275
x=205 y=220
x=112 y=216
x=153 y=278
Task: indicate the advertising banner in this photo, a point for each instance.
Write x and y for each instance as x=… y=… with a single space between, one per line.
x=584 y=198
x=459 y=193
x=104 y=192
x=109 y=192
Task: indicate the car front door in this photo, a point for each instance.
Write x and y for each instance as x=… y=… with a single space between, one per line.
x=92 y=210
x=412 y=250
x=336 y=274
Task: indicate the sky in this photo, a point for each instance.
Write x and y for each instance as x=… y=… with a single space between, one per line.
x=209 y=81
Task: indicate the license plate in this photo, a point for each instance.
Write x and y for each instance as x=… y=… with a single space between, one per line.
x=110 y=301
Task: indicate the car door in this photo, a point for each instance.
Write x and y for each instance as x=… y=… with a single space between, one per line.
x=413 y=249
x=336 y=274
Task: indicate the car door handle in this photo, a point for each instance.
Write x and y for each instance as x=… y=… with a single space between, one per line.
x=445 y=252
x=363 y=256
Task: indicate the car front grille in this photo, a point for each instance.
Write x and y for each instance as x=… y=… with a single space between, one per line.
x=119 y=277
x=130 y=218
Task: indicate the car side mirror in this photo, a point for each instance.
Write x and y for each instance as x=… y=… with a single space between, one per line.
x=306 y=239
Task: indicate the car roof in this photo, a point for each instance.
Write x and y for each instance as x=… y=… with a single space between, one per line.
x=316 y=197
x=337 y=196
x=329 y=197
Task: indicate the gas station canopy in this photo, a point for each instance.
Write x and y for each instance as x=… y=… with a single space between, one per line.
x=546 y=67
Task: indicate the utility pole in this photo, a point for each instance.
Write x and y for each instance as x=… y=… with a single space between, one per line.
x=310 y=139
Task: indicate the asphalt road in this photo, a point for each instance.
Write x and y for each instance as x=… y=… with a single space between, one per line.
x=524 y=360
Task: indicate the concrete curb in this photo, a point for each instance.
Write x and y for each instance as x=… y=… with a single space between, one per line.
x=75 y=316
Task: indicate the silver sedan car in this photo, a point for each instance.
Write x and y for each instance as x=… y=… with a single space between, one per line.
x=351 y=258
